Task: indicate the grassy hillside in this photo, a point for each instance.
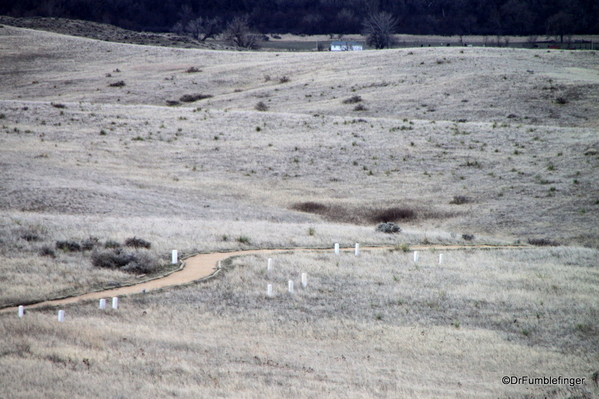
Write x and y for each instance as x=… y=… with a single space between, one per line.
x=457 y=145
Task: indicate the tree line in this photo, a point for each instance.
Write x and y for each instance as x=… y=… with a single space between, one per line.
x=441 y=17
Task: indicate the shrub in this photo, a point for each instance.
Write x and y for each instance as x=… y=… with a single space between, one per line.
x=112 y=244
x=137 y=243
x=30 y=237
x=193 y=70
x=189 y=98
x=112 y=259
x=261 y=106
x=142 y=263
x=120 y=83
x=388 y=228
x=58 y=105
x=468 y=237
x=392 y=215
x=561 y=100
x=172 y=103
x=542 y=242
x=89 y=244
x=284 y=79
x=459 y=200
x=352 y=100
x=360 y=107
x=47 y=251
x=68 y=246
x=243 y=240
x=131 y=262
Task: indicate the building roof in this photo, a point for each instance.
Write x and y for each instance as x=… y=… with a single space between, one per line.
x=344 y=43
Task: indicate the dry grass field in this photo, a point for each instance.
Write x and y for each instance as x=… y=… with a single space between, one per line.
x=376 y=325
x=101 y=142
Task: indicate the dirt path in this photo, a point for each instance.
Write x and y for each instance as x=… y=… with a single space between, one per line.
x=203 y=266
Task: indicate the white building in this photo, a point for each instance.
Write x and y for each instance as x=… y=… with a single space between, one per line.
x=345 y=46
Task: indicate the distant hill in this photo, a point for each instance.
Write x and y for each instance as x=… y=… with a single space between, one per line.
x=106 y=32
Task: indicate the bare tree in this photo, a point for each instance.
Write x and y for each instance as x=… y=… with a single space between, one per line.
x=378 y=29
x=532 y=41
x=239 y=34
x=560 y=25
x=204 y=28
x=178 y=28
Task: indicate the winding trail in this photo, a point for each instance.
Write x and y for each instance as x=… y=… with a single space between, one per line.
x=204 y=266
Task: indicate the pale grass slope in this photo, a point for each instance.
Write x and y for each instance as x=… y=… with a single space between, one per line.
x=216 y=174
x=373 y=326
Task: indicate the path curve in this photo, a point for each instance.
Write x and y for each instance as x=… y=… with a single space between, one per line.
x=204 y=266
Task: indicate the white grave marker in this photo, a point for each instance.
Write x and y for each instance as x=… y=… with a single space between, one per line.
x=21 y=311
x=61 y=316
x=269 y=264
x=102 y=305
x=174 y=257
x=336 y=248
x=357 y=251
x=290 y=288
x=415 y=256
x=115 y=302
x=269 y=290
x=304 y=279
x=440 y=258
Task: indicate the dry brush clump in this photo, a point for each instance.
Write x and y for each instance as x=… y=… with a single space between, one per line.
x=459 y=200
x=136 y=242
x=189 y=98
x=87 y=244
x=543 y=242
x=68 y=246
x=30 y=236
x=388 y=227
x=139 y=261
x=260 y=106
x=352 y=100
x=38 y=267
x=120 y=83
x=47 y=251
